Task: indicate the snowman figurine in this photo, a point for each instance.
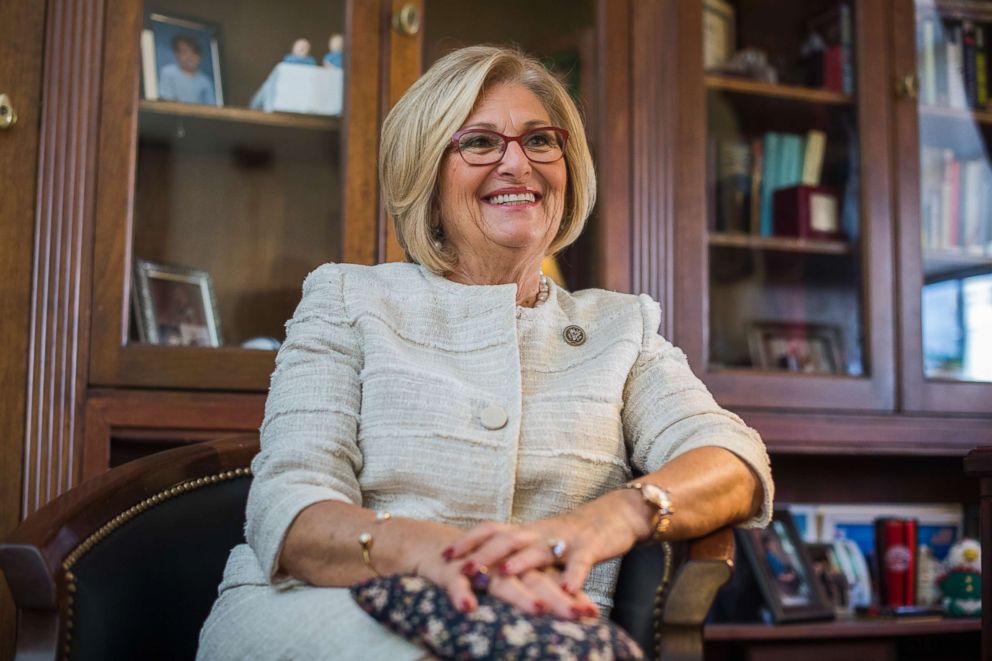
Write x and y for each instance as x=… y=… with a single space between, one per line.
x=961 y=580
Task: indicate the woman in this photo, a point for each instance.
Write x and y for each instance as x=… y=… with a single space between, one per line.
x=495 y=416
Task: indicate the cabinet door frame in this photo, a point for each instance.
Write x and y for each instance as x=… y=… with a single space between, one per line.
x=917 y=393
x=874 y=392
x=115 y=362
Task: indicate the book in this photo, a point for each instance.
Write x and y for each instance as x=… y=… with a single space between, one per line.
x=733 y=185
x=928 y=62
x=955 y=67
x=718 y=33
x=981 y=68
x=968 y=63
x=757 y=167
x=769 y=178
x=816 y=142
x=149 y=70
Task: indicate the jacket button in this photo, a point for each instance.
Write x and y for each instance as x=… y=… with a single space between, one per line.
x=493 y=417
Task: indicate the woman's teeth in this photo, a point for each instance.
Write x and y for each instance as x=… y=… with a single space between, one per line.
x=512 y=198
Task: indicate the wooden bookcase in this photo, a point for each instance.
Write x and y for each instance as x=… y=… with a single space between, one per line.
x=879 y=432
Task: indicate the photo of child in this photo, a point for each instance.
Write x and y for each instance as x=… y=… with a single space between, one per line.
x=186 y=60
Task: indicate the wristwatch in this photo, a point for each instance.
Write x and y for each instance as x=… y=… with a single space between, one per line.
x=659 y=499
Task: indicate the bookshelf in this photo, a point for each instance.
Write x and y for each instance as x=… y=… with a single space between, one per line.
x=148 y=109
x=776 y=91
x=779 y=244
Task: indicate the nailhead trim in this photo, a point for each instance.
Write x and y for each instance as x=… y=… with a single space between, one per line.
x=660 y=594
x=87 y=544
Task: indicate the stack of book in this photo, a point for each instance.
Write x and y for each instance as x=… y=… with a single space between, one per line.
x=748 y=171
x=954 y=61
x=956 y=203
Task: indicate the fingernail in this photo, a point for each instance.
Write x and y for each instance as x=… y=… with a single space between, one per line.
x=466 y=606
x=504 y=569
x=576 y=611
x=540 y=607
x=567 y=588
x=448 y=553
x=591 y=611
x=468 y=568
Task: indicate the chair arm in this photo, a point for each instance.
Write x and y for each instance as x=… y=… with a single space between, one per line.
x=31 y=557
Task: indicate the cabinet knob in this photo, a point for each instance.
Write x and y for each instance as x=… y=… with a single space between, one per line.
x=407 y=20
x=7 y=115
x=908 y=86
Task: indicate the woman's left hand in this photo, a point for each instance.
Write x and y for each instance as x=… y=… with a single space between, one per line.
x=592 y=533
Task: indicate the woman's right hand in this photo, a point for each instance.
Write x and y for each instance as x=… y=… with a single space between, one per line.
x=535 y=591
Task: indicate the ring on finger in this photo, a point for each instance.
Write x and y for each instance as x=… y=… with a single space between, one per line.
x=558 y=548
x=480 y=579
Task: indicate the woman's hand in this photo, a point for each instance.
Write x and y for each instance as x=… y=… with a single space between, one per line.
x=599 y=530
x=531 y=591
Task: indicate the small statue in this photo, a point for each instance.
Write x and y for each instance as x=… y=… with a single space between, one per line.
x=300 y=54
x=928 y=570
x=335 y=52
x=961 y=581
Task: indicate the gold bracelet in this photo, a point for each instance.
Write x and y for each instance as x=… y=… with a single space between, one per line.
x=366 y=541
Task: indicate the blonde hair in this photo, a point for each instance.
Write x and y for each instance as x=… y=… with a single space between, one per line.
x=418 y=130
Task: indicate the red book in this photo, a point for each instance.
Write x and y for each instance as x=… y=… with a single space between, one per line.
x=833 y=69
x=895 y=554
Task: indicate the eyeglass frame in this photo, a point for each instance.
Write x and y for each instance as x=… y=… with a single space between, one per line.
x=507 y=139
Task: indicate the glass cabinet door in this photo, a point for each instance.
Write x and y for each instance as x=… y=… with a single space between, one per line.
x=792 y=233
x=236 y=188
x=948 y=238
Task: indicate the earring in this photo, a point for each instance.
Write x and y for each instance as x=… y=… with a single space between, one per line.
x=438 y=237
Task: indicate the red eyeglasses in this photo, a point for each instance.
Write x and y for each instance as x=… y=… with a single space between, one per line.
x=482 y=147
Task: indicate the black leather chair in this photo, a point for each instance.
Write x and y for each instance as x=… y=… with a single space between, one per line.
x=127 y=565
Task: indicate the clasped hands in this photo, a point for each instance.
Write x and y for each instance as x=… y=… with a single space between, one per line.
x=521 y=563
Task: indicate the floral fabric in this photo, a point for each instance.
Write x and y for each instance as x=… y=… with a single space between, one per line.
x=421 y=612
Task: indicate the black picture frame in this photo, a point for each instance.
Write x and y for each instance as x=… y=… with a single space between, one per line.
x=784 y=572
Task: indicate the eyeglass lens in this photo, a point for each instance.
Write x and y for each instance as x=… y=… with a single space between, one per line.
x=485 y=147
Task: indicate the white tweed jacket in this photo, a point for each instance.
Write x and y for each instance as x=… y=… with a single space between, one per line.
x=378 y=394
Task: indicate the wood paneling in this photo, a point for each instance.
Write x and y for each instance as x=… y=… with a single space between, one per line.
x=652 y=155
x=60 y=297
x=404 y=64
x=22 y=31
x=178 y=415
x=363 y=66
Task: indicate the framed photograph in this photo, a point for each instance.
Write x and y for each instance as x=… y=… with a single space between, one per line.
x=784 y=572
x=940 y=525
x=796 y=347
x=175 y=306
x=180 y=60
x=830 y=574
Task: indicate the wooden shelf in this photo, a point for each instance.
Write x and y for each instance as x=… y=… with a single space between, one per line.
x=788 y=92
x=949 y=263
x=240 y=115
x=848 y=628
x=941 y=112
x=779 y=244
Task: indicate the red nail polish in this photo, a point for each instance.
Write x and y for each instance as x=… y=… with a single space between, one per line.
x=576 y=611
x=591 y=611
x=540 y=607
x=468 y=568
x=466 y=606
x=448 y=553
x=565 y=586
x=504 y=569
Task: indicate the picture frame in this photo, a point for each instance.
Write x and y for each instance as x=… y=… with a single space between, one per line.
x=175 y=306
x=784 y=572
x=180 y=60
x=796 y=347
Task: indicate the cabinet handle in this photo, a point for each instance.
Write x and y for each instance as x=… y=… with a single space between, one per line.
x=908 y=86
x=7 y=115
x=407 y=20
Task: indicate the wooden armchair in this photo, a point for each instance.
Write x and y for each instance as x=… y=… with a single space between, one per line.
x=127 y=565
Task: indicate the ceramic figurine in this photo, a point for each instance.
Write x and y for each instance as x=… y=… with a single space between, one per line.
x=335 y=52
x=961 y=581
x=300 y=54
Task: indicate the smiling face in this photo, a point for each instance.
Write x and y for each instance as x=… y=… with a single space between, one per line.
x=510 y=210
